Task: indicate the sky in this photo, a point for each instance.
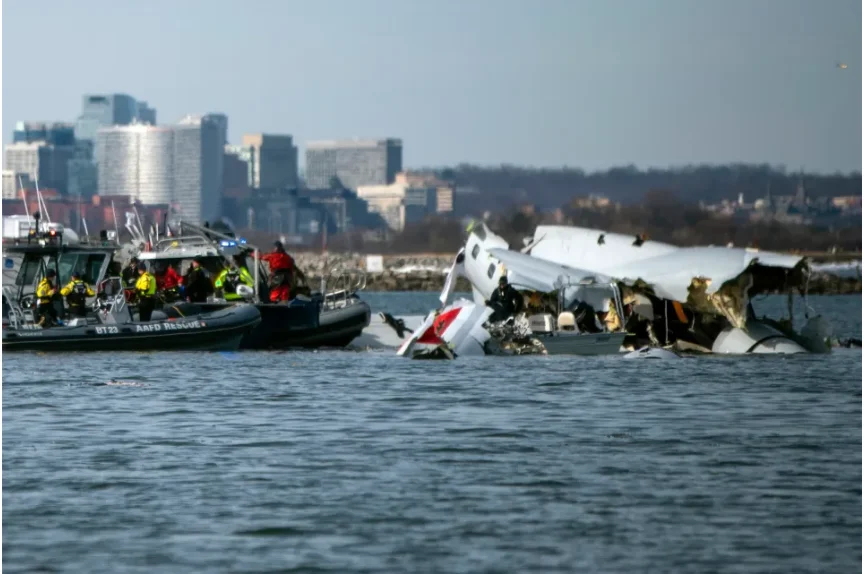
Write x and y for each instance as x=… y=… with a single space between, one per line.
x=588 y=84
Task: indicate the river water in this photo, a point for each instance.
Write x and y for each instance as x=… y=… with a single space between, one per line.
x=364 y=462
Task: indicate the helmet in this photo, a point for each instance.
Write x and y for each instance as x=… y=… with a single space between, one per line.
x=245 y=291
x=50 y=273
x=142 y=266
x=76 y=275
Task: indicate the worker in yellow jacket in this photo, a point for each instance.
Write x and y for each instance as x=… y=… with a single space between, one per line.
x=46 y=290
x=145 y=288
x=76 y=293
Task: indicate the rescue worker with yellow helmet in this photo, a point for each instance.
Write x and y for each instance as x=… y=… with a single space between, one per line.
x=46 y=291
x=76 y=293
x=145 y=288
x=229 y=279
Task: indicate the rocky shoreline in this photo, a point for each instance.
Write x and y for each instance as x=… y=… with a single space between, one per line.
x=428 y=273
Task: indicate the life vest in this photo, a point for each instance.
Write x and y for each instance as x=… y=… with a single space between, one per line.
x=146 y=285
x=77 y=294
x=45 y=291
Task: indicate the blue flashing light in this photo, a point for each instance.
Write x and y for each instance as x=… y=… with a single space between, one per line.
x=242 y=241
x=228 y=243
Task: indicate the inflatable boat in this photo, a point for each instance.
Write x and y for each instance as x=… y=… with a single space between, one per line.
x=301 y=323
x=221 y=330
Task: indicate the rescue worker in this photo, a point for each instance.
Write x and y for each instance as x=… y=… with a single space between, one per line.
x=505 y=300
x=46 y=291
x=76 y=293
x=196 y=284
x=145 y=287
x=168 y=282
x=282 y=270
x=229 y=279
x=130 y=274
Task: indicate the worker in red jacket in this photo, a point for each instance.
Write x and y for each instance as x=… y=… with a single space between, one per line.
x=168 y=282
x=281 y=273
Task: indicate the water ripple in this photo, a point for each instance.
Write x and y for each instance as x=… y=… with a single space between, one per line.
x=363 y=462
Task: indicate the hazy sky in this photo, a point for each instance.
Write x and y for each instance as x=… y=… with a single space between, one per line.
x=589 y=84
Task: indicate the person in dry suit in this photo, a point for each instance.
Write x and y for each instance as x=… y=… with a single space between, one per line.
x=76 y=293
x=505 y=300
x=145 y=287
x=229 y=279
x=46 y=291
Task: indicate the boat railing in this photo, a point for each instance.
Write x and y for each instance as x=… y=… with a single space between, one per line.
x=181 y=241
x=346 y=282
x=18 y=315
x=113 y=296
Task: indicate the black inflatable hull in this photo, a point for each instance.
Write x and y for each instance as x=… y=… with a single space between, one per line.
x=222 y=330
x=298 y=325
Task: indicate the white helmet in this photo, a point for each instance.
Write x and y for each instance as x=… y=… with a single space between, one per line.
x=245 y=291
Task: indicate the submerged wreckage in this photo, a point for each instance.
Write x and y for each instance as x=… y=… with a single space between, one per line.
x=591 y=292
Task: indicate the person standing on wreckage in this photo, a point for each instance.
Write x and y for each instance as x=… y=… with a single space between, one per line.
x=505 y=300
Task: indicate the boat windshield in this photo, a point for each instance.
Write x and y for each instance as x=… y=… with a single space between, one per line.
x=89 y=265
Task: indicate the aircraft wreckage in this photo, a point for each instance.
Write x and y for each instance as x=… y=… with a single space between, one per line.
x=591 y=292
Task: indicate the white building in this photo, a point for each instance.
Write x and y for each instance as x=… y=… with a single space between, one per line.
x=12 y=183
x=398 y=203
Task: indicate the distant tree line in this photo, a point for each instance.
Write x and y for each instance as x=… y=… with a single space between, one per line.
x=661 y=216
x=506 y=186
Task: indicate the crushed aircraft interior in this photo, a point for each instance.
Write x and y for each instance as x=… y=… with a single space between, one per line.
x=651 y=294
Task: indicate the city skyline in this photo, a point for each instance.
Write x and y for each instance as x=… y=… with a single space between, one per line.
x=586 y=85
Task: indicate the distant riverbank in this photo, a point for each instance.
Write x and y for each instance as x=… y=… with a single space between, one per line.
x=428 y=273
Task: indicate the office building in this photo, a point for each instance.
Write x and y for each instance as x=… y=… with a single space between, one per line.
x=57 y=133
x=443 y=191
x=101 y=111
x=199 y=151
x=353 y=162
x=138 y=161
x=272 y=161
x=146 y=114
x=14 y=182
x=181 y=164
x=44 y=163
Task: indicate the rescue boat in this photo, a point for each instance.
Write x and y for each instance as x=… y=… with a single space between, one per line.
x=318 y=319
x=109 y=324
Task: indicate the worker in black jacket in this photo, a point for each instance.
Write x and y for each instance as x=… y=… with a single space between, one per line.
x=505 y=300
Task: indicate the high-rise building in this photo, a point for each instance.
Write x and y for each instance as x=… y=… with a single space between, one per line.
x=199 y=149
x=146 y=114
x=14 y=182
x=100 y=111
x=235 y=169
x=44 y=163
x=240 y=155
x=138 y=161
x=180 y=164
x=272 y=161
x=353 y=162
x=57 y=133
x=82 y=172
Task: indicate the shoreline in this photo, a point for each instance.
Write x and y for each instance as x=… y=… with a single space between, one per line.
x=427 y=273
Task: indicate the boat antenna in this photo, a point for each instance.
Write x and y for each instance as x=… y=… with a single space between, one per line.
x=116 y=229
x=80 y=217
x=86 y=231
x=24 y=197
x=41 y=201
x=138 y=217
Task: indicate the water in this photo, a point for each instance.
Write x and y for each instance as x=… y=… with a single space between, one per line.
x=364 y=462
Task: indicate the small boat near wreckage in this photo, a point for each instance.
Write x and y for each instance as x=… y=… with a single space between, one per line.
x=311 y=319
x=108 y=324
